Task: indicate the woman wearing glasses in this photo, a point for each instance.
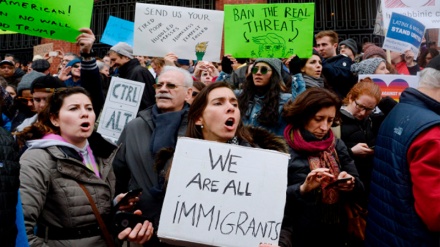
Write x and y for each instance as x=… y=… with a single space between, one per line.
x=359 y=125
x=261 y=100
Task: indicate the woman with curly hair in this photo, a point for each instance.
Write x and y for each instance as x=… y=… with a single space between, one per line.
x=262 y=98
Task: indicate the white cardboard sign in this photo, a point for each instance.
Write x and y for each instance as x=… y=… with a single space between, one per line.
x=121 y=106
x=190 y=33
x=224 y=195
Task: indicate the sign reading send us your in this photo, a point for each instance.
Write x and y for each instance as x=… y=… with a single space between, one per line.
x=190 y=33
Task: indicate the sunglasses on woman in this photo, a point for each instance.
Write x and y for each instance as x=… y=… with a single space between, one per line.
x=263 y=69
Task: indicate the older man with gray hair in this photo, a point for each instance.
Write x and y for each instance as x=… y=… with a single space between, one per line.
x=155 y=128
x=404 y=205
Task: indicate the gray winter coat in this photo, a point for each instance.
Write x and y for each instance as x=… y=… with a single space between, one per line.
x=52 y=196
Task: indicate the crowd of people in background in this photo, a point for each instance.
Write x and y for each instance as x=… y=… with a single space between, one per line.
x=59 y=176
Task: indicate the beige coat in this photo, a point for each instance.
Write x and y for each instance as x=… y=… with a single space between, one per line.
x=51 y=195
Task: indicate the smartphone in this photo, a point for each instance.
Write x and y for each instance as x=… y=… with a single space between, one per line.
x=372 y=147
x=123 y=220
x=53 y=53
x=340 y=181
x=130 y=195
x=226 y=65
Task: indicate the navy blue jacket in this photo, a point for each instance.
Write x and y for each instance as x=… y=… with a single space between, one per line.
x=336 y=71
x=392 y=219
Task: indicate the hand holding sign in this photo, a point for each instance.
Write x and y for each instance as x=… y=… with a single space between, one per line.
x=85 y=40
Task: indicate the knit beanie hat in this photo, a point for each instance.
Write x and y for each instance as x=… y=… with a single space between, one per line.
x=367 y=66
x=274 y=63
x=72 y=62
x=47 y=82
x=123 y=49
x=434 y=63
x=350 y=43
x=374 y=50
x=40 y=65
x=27 y=79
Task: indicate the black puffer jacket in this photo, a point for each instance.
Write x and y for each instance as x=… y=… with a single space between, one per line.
x=9 y=184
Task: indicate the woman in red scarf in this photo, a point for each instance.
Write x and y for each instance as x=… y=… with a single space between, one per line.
x=315 y=213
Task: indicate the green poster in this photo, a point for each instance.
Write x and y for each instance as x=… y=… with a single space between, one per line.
x=269 y=30
x=54 y=19
x=6 y=32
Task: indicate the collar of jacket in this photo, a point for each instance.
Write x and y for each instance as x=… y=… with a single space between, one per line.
x=125 y=68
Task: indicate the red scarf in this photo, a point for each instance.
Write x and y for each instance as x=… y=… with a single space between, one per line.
x=321 y=154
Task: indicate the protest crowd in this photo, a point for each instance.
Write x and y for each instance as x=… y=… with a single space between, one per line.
x=363 y=168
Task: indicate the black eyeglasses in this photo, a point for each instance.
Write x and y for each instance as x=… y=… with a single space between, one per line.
x=170 y=86
x=75 y=66
x=362 y=107
x=263 y=69
x=194 y=94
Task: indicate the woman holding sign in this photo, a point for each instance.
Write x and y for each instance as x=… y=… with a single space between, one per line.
x=67 y=180
x=322 y=176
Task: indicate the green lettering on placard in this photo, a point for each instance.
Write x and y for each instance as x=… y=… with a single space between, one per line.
x=269 y=30
x=48 y=19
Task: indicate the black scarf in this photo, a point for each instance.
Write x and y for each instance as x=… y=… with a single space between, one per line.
x=166 y=128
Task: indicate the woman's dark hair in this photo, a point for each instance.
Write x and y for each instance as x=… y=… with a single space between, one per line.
x=422 y=57
x=43 y=125
x=198 y=107
x=307 y=104
x=199 y=85
x=269 y=114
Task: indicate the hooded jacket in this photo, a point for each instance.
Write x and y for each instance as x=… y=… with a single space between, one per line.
x=51 y=196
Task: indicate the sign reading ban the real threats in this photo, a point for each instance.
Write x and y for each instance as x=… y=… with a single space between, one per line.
x=269 y=30
x=121 y=106
x=118 y=30
x=404 y=33
x=219 y=194
x=190 y=33
x=48 y=19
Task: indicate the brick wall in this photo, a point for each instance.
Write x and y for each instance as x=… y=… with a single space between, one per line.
x=62 y=46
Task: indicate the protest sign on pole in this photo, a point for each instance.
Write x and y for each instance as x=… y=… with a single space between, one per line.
x=118 y=30
x=393 y=85
x=269 y=30
x=121 y=106
x=190 y=33
x=404 y=33
x=425 y=11
x=59 y=20
x=219 y=194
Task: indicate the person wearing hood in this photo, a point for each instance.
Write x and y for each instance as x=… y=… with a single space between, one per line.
x=65 y=161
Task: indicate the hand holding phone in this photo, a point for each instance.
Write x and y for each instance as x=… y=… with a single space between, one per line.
x=122 y=220
x=340 y=181
x=125 y=201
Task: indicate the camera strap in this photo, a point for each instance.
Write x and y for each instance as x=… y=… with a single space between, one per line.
x=107 y=238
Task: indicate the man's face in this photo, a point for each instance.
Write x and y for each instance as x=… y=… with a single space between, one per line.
x=7 y=70
x=343 y=49
x=40 y=100
x=325 y=47
x=116 y=60
x=169 y=100
x=66 y=60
